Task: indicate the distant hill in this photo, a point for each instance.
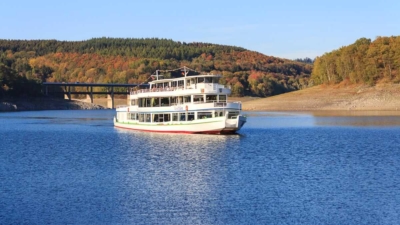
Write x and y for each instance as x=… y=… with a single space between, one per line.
x=24 y=64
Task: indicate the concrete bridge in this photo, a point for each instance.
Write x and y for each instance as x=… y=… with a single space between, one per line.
x=67 y=89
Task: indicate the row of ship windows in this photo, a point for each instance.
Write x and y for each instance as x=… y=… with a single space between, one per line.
x=176 y=100
x=180 y=83
x=186 y=116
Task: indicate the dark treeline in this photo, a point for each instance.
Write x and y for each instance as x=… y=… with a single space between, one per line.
x=305 y=60
x=116 y=60
x=362 y=62
x=141 y=48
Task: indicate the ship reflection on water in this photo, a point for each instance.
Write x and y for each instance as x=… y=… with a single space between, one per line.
x=172 y=173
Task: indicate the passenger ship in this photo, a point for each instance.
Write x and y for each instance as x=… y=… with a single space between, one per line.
x=188 y=104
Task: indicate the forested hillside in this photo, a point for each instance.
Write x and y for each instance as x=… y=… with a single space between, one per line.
x=362 y=62
x=24 y=64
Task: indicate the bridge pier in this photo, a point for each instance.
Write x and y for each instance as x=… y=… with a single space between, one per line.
x=110 y=99
x=67 y=93
x=89 y=96
x=67 y=96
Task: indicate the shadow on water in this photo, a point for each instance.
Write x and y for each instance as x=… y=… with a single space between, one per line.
x=357 y=118
x=326 y=118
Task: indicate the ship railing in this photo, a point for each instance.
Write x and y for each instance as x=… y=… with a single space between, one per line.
x=121 y=106
x=239 y=102
x=164 y=89
x=219 y=104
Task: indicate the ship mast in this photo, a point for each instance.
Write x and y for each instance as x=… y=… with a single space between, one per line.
x=186 y=71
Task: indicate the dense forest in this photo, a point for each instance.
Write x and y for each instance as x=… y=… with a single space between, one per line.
x=25 y=64
x=363 y=62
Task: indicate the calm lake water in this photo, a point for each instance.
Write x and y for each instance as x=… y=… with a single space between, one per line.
x=74 y=167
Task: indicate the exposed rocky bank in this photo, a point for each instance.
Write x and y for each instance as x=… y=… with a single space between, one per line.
x=382 y=97
x=33 y=104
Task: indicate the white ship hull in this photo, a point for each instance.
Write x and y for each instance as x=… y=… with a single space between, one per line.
x=205 y=126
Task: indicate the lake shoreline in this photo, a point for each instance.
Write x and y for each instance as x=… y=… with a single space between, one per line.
x=44 y=103
x=324 y=98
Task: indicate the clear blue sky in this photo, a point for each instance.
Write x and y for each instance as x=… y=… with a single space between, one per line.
x=282 y=28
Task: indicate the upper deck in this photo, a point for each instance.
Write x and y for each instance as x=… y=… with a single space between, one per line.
x=188 y=85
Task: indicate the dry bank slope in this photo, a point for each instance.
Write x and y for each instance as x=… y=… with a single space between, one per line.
x=332 y=97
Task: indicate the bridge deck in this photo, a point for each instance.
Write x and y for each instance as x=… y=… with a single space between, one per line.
x=63 y=84
x=66 y=89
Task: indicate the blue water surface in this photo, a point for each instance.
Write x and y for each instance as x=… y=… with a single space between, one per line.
x=74 y=167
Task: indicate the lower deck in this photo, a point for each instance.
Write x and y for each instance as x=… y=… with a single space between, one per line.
x=208 y=122
x=164 y=117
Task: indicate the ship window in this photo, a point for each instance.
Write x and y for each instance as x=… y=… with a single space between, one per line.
x=155 y=102
x=167 y=117
x=175 y=117
x=198 y=98
x=187 y=99
x=141 y=117
x=182 y=117
x=190 y=116
x=148 y=117
x=215 y=80
x=200 y=80
x=174 y=84
x=132 y=116
x=133 y=102
x=211 y=98
x=159 y=118
x=174 y=100
x=148 y=101
x=207 y=79
x=219 y=113
x=187 y=82
x=180 y=83
x=142 y=102
x=165 y=101
x=222 y=98
x=204 y=115
x=233 y=114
